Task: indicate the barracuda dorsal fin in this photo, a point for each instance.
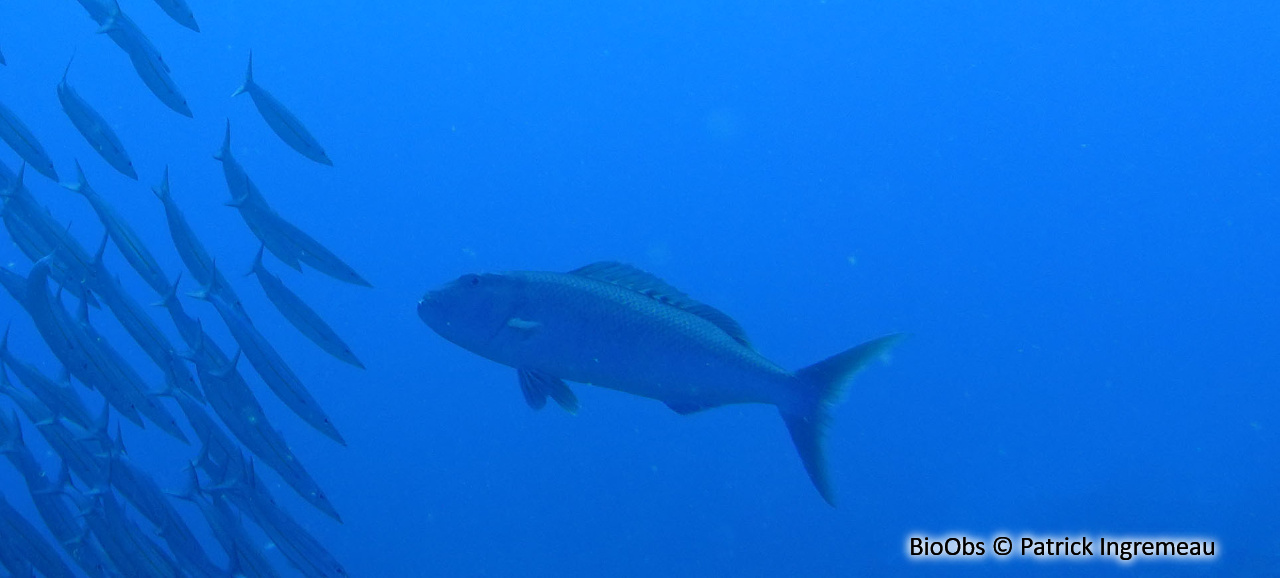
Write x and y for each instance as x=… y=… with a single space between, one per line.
x=647 y=284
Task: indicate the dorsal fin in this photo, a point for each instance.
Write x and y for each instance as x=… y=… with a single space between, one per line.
x=647 y=284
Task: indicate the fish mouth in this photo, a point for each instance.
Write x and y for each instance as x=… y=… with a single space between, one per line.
x=425 y=306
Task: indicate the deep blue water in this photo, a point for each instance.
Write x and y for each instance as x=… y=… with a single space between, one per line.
x=1071 y=206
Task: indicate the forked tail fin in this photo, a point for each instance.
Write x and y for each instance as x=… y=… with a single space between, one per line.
x=248 y=79
x=824 y=382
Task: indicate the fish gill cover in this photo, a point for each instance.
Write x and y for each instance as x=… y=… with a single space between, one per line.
x=233 y=322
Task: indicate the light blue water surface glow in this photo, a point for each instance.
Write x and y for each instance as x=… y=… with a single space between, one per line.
x=1072 y=206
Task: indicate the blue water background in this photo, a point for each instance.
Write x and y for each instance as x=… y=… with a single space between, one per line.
x=1072 y=206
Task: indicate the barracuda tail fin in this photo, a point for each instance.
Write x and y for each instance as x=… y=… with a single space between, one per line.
x=824 y=382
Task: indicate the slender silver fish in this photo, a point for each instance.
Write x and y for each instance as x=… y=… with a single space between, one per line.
x=146 y=59
x=14 y=562
x=243 y=551
x=314 y=254
x=35 y=246
x=46 y=494
x=291 y=539
x=615 y=326
x=119 y=27
x=137 y=486
x=23 y=142
x=284 y=239
x=124 y=237
x=179 y=12
x=131 y=549
x=39 y=235
x=12 y=445
x=190 y=249
x=271 y=366
x=282 y=122
x=236 y=405
x=127 y=379
x=77 y=351
x=147 y=334
x=26 y=539
x=211 y=436
x=58 y=397
x=74 y=453
x=246 y=194
x=301 y=315
x=94 y=128
x=139 y=325
x=240 y=411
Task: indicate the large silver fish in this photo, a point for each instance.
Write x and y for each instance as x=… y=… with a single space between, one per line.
x=615 y=326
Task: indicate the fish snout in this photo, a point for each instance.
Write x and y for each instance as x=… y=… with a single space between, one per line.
x=426 y=305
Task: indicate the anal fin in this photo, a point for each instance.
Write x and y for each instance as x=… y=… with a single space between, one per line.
x=537 y=387
x=686 y=407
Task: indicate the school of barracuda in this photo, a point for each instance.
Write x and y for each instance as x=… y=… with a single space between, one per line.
x=109 y=516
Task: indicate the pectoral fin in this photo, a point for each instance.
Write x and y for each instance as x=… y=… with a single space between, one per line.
x=536 y=398
x=522 y=329
x=537 y=386
x=523 y=324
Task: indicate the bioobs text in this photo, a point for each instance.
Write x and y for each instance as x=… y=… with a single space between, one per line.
x=952 y=546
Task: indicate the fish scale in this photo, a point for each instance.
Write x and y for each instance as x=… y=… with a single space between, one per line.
x=603 y=334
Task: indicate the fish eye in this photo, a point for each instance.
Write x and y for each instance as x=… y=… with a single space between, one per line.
x=475 y=281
